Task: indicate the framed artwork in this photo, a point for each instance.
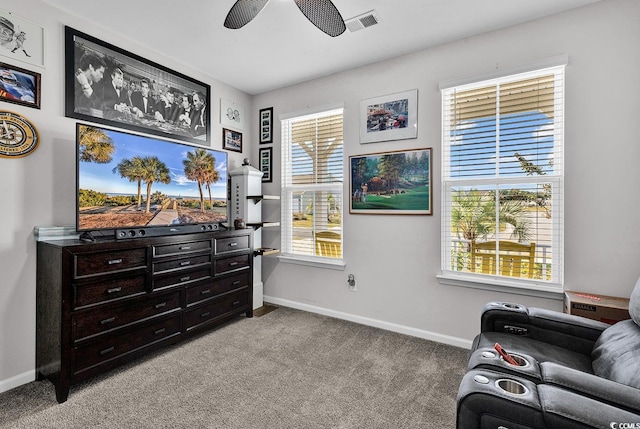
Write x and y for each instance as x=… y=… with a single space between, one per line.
x=266 y=125
x=231 y=140
x=266 y=163
x=111 y=86
x=397 y=182
x=21 y=39
x=232 y=115
x=389 y=117
x=19 y=86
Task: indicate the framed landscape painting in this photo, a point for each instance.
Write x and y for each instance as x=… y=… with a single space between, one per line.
x=108 y=85
x=396 y=182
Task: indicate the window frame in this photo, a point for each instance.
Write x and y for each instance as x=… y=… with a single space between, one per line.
x=288 y=189
x=448 y=275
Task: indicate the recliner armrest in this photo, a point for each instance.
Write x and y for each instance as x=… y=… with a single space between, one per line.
x=551 y=327
x=598 y=388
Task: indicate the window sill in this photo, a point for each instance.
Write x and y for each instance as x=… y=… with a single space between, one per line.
x=523 y=287
x=336 y=264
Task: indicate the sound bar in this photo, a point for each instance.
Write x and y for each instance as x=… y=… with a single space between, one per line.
x=158 y=231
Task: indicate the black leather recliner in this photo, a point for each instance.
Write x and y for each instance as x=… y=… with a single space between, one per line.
x=572 y=372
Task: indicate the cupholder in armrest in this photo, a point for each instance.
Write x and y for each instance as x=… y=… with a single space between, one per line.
x=512 y=387
x=512 y=306
x=489 y=359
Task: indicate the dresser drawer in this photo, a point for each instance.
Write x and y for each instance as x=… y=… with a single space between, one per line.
x=182 y=248
x=180 y=279
x=209 y=290
x=94 y=264
x=181 y=264
x=217 y=308
x=108 y=290
x=232 y=244
x=86 y=323
x=232 y=263
x=118 y=345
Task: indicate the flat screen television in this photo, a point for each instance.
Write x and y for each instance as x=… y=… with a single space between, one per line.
x=146 y=185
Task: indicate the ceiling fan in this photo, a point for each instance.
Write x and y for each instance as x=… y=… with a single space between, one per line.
x=322 y=13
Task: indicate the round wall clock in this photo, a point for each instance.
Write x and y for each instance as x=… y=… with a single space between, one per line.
x=18 y=136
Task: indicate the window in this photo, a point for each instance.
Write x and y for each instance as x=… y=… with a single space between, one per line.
x=312 y=184
x=502 y=178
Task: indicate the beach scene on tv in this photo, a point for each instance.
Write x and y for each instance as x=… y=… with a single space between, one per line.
x=127 y=180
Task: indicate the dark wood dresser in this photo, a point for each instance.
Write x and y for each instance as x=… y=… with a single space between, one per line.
x=105 y=303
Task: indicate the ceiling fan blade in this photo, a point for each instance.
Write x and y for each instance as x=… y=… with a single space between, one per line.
x=324 y=15
x=242 y=12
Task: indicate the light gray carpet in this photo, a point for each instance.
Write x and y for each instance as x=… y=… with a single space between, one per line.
x=286 y=369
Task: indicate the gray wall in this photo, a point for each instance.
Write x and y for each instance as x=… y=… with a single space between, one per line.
x=396 y=258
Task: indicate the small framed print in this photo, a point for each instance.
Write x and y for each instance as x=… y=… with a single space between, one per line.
x=231 y=115
x=19 y=86
x=231 y=140
x=389 y=117
x=21 y=39
x=266 y=125
x=266 y=163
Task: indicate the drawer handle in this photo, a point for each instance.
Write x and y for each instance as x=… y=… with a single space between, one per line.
x=162 y=304
x=184 y=248
x=114 y=261
x=114 y=290
x=234 y=244
x=185 y=278
x=205 y=314
x=235 y=283
x=185 y=263
x=205 y=292
x=235 y=302
x=105 y=351
x=107 y=321
x=159 y=331
x=233 y=264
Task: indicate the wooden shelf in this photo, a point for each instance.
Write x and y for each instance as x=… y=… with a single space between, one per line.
x=257 y=198
x=265 y=251
x=256 y=225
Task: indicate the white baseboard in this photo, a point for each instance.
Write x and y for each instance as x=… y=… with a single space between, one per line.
x=387 y=326
x=18 y=380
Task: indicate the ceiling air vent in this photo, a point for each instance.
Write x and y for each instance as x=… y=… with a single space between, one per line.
x=363 y=21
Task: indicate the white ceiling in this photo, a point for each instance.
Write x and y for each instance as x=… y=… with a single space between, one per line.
x=281 y=47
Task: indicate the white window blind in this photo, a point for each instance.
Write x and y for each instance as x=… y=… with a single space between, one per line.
x=502 y=176
x=312 y=184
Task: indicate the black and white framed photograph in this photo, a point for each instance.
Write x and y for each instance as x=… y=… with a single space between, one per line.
x=111 y=86
x=266 y=163
x=21 y=39
x=266 y=125
x=389 y=117
x=19 y=86
x=231 y=140
x=232 y=115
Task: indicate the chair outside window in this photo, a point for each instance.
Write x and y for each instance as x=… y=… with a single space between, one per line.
x=514 y=260
x=328 y=244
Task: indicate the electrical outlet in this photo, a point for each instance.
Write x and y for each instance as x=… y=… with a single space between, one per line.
x=351 y=281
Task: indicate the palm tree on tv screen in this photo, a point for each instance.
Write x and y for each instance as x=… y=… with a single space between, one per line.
x=133 y=170
x=95 y=145
x=153 y=170
x=200 y=167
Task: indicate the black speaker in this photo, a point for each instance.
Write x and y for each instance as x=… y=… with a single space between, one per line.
x=158 y=231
